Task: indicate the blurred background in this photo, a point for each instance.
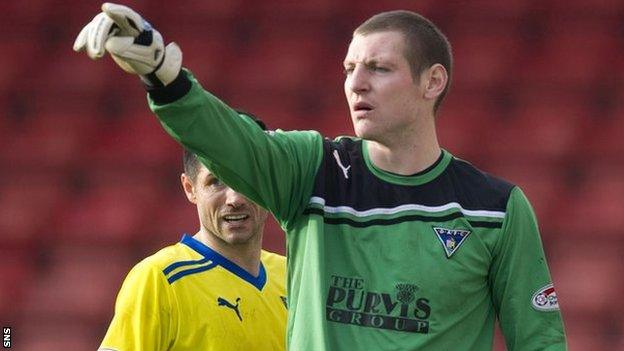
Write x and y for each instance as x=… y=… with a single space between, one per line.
x=89 y=182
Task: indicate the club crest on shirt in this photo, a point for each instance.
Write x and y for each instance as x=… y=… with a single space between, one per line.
x=451 y=239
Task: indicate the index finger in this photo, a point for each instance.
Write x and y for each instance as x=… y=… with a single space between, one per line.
x=129 y=22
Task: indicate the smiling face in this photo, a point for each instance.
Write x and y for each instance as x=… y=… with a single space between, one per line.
x=226 y=216
x=383 y=97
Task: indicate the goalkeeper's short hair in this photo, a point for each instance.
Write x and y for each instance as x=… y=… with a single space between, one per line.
x=191 y=163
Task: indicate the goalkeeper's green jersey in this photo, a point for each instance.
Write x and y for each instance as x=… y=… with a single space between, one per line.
x=379 y=261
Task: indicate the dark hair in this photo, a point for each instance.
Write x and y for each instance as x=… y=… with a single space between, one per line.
x=425 y=44
x=190 y=161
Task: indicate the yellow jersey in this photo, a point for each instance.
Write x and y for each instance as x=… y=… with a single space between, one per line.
x=189 y=297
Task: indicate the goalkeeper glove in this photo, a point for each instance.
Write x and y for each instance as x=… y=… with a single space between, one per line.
x=132 y=42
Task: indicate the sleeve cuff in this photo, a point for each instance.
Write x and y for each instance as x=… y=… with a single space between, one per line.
x=172 y=92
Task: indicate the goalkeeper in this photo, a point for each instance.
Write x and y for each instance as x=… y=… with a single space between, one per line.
x=393 y=243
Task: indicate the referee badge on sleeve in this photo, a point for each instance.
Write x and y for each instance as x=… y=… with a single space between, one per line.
x=451 y=239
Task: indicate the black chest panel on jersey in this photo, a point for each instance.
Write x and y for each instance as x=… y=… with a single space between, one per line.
x=344 y=179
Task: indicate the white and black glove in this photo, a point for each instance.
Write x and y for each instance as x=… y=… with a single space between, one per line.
x=132 y=42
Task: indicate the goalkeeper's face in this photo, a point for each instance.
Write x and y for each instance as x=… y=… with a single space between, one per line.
x=383 y=97
x=226 y=216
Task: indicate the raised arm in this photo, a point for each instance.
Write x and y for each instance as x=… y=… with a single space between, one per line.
x=274 y=169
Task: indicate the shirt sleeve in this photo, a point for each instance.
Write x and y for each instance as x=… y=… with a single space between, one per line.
x=275 y=169
x=521 y=285
x=142 y=319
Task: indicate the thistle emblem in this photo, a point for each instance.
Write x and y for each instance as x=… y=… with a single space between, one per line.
x=405 y=292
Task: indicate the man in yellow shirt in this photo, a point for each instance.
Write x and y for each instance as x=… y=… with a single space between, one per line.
x=215 y=290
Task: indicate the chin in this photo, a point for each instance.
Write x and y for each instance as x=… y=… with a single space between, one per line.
x=360 y=131
x=237 y=239
x=364 y=133
x=364 y=129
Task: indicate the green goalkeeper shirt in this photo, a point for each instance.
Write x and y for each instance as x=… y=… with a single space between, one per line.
x=379 y=261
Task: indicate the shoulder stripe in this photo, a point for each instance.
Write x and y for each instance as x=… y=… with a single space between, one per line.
x=175 y=265
x=404 y=208
x=199 y=269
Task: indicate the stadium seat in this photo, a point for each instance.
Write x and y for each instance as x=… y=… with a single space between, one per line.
x=23 y=53
x=587 y=333
x=584 y=9
x=493 y=9
x=466 y=123
x=542 y=182
x=206 y=10
x=36 y=335
x=17 y=268
x=333 y=121
x=29 y=200
x=274 y=239
x=79 y=283
x=488 y=59
x=112 y=206
x=601 y=140
x=298 y=10
x=86 y=75
x=543 y=126
x=596 y=205
x=288 y=63
x=135 y=137
x=277 y=110
x=585 y=271
x=572 y=56
x=209 y=57
x=177 y=216
x=358 y=11
x=53 y=140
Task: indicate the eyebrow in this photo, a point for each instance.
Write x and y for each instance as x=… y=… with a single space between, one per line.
x=369 y=63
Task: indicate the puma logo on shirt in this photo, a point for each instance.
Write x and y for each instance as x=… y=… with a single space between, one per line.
x=223 y=302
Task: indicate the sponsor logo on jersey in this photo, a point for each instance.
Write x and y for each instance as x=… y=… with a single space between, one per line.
x=225 y=303
x=451 y=239
x=545 y=299
x=399 y=308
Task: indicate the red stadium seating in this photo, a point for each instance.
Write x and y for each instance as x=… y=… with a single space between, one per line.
x=89 y=181
x=29 y=201
x=77 y=283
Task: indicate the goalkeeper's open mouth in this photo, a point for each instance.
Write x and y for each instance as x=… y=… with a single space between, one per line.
x=361 y=108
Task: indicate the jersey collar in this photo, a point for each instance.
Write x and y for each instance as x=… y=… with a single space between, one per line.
x=417 y=179
x=216 y=257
